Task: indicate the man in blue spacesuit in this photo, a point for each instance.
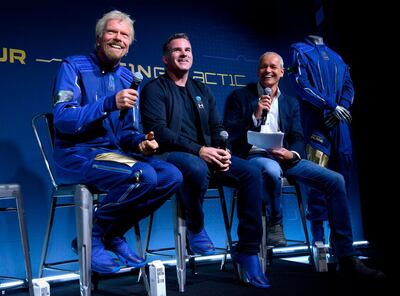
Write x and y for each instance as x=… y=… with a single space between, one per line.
x=322 y=80
x=97 y=142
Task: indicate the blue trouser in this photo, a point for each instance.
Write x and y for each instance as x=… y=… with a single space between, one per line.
x=132 y=192
x=272 y=186
x=317 y=211
x=241 y=175
x=333 y=186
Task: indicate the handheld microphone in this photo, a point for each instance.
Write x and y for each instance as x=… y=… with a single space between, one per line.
x=223 y=141
x=137 y=79
x=267 y=92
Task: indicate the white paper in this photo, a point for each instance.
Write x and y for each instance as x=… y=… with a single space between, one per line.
x=265 y=140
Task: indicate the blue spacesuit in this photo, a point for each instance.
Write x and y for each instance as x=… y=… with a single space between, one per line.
x=323 y=84
x=96 y=146
x=322 y=81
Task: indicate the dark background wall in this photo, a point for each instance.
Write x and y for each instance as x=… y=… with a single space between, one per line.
x=227 y=39
x=363 y=34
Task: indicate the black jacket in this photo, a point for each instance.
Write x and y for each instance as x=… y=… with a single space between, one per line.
x=161 y=110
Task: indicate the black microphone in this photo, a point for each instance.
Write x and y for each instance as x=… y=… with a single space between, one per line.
x=137 y=79
x=223 y=141
x=267 y=92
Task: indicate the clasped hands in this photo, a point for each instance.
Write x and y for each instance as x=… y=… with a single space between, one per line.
x=219 y=158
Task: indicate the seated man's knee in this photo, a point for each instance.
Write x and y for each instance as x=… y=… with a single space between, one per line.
x=337 y=179
x=272 y=177
x=191 y=166
x=270 y=169
x=251 y=170
x=172 y=175
x=143 y=173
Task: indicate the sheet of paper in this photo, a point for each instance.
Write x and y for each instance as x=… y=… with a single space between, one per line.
x=265 y=140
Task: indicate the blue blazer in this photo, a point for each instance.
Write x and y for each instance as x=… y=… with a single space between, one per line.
x=240 y=106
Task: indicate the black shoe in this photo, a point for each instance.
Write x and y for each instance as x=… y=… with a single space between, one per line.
x=353 y=267
x=275 y=236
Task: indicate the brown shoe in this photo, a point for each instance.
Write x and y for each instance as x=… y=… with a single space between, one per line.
x=353 y=267
x=275 y=236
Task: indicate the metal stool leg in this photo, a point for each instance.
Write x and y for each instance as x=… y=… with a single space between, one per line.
x=303 y=219
x=147 y=241
x=180 y=243
x=263 y=248
x=231 y=214
x=49 y=227
x=140 y=251
x=148 y=234
x=227 y=221
x=180 y=235
x=84 y=221
x=24 y=238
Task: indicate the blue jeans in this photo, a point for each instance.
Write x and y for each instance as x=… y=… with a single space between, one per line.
x=330 y=183
x=241 y=175
x=272 y=186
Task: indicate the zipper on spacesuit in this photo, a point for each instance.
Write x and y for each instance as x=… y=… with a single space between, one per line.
x=138 y=175
x=132 y=187
x=112 y=169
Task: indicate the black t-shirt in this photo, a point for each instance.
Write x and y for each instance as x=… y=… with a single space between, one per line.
x=190 y=127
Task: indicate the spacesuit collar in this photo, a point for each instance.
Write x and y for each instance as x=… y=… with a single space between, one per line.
x=104 y=69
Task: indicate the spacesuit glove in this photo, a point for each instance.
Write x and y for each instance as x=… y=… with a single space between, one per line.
x=342 y=113
x=331 y=121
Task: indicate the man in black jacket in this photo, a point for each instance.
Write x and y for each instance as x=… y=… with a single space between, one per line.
x=183 y=114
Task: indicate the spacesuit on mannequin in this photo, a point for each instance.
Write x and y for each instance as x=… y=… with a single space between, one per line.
x=322 y=81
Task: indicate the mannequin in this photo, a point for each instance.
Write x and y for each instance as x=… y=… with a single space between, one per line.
x=325 y=90
x=318 y=40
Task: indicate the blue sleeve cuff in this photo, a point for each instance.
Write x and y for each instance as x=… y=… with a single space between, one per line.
x=110 y=104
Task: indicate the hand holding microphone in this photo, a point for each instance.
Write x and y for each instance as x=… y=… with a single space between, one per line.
x=223 y=141
x=267 y=92
x=264 y=104
x=219 y=157
x=126 y=98
x=225 y=159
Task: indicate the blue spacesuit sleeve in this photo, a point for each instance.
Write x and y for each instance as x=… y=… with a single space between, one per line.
x=347 y=97
x=130 y=140
x=71 y=115
x=304 y=87
x=130 y=135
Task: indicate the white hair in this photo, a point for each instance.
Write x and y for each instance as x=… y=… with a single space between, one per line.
x=114 y=15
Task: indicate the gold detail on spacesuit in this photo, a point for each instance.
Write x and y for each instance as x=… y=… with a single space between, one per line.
x=317 y=156
x=111 y=156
